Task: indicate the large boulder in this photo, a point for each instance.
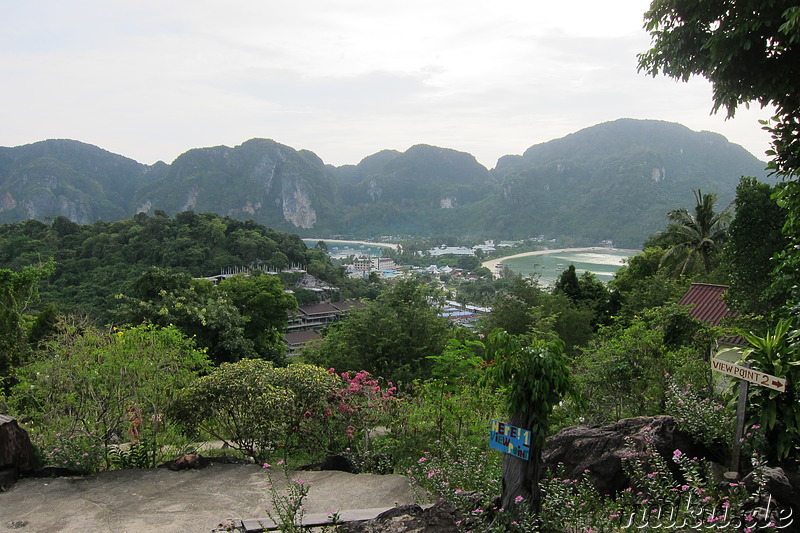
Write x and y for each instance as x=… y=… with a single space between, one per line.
x=600 y=449
x=17 y=455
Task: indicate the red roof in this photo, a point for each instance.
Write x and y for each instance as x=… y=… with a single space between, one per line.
x=709 y=307
x=707 y=301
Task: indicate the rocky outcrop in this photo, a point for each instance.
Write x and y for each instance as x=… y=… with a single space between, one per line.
x=297 y=204
x=600 y=449
x=17 y=455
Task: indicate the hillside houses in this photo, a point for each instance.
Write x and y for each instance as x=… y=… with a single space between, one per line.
x=305 y=324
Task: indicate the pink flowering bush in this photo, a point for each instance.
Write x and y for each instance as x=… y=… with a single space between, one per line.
x=357 y=408
x=573 y=504
x=288 y=507
x=710 y=422
x=76 y=451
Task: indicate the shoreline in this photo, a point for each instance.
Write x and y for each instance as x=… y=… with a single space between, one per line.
x=492 y=263
x=344 y=241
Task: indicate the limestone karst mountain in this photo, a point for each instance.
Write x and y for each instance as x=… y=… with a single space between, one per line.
x=613 y=181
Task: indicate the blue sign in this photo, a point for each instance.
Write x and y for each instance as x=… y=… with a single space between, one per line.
x=510 y=439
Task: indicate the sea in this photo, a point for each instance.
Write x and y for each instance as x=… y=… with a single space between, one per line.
x=602 y=263
x=342 y=250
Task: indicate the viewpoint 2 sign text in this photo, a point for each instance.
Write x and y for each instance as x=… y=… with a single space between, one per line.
x=748 y=374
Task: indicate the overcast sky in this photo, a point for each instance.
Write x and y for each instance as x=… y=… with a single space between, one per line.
x=343 y=78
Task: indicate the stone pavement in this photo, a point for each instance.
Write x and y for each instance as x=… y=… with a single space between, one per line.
x=189 y=501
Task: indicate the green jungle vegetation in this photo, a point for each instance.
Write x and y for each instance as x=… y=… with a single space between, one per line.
x=161 y=361
x=396 y=388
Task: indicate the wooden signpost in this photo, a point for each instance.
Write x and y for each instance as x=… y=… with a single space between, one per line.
x=510 y=439
x=746 y=375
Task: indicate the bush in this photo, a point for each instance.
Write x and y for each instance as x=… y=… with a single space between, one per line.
x=77 y=451
x=107 y=386
x=257 y=408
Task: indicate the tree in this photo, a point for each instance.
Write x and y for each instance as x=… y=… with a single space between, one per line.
x=567 y=283
x=748 y=50
x=641 y=284
x=525 y=308
x=533 y=379
x=391 y=337
x=17 y=291
x=699 y=234
x=255 y=407
x=754 y=238
x=163 y=297
x=108 y=384
x=260 y=298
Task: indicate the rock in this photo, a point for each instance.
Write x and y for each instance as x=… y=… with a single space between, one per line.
x=600 y=449
x=189 y=461
x=411 y=518
x=17 y=456
x=784 y=495
x=228 y=524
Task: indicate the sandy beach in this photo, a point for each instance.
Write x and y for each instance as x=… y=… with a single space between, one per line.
x=492 y=263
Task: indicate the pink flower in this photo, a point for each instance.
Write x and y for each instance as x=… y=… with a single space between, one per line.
x=421 y=460
x=266 y=465
x=518 y=499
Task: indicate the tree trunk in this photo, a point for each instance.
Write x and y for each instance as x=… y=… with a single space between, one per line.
x=521 y=477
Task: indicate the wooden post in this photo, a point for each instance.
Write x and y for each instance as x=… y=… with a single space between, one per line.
x=741 y=409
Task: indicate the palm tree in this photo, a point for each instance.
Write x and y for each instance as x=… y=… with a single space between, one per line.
x=691 y=235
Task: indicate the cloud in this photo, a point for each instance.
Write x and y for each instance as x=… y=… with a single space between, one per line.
x=344 y=78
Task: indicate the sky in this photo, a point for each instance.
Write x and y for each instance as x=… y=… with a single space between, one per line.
x=345 y=79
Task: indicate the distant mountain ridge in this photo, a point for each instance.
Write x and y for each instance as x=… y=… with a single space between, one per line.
x=614 y=181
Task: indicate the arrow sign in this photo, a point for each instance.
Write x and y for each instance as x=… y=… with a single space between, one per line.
x=748 y=374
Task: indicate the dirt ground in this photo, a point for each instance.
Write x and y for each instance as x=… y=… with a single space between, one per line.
x=190 y=501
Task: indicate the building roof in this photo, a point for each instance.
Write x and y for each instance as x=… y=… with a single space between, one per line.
x=709 y=307
x=346 y=305
x=301 y=337
x=317 y=309
x=708 y=304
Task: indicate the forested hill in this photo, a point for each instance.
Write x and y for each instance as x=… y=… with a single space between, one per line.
x=617 y=180
x=612 y=181
x=95 y=262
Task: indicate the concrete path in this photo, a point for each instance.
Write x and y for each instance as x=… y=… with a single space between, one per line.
x=191 y=501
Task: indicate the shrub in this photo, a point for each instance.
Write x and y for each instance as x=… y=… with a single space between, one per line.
x=256 y=408
x=708 y=421
x=77 y=451
x=107 y=385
